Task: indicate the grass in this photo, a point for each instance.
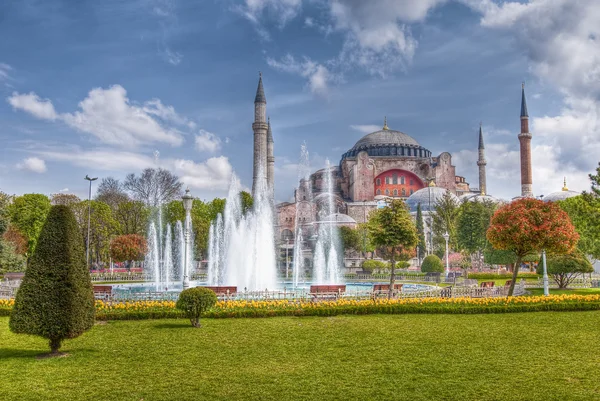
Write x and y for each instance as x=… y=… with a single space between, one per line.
x=533 y=356
x=575 y=291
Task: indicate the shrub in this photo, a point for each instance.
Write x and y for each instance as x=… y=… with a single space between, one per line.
x=432 y=264
x=496 y=276
x=194 y=302
x=565 y=268
x=55 y=300
x=370 y=265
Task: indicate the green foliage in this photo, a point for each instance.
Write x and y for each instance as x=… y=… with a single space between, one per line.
x=584 y=211
x=55 y=300
x=444 y=220
x=10 y=260
x=247 y=202
x=351 y=238
x=103 y=227
x=472 y=224
x=432 y=264
x=132 y=217
x=595 y=178
x=496 y=276
x=28 y=213
x=565 y=268
x=421 y=233
x=195 y=301
x=370 y=265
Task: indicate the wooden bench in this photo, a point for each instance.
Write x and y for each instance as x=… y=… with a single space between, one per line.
x=102 y=291
x=14 y=276
x=327 y=291
x=386 y=287
x=508 y=282
x=223 y=289
x=486 y=284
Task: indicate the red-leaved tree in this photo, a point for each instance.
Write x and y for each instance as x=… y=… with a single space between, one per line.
x=129 y=247
x=528 y=226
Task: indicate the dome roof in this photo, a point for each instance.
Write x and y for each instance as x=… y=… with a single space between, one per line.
x=428 y=198
x=560 y=195
x=474 y=197
x=339 y=218
x=385 y=137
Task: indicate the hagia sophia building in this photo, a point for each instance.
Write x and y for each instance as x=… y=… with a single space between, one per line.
x=383 y=164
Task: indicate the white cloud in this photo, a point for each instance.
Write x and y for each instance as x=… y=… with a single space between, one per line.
x=100 y=159
x=33 y=104
x=318 y=75
x=108 y=115
x=214 y=174
x=64 y=190
x=207 y=142
x=366 y=129
x=34 y=164
x=4 y=71
x=282 y=11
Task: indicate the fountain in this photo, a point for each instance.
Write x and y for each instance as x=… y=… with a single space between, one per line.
x=326 y=260
x=304 y=188
x=241 y=246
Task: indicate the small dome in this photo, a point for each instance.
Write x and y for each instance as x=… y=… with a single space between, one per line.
x=475 y=197
x=560 y=195
x=338 y=218
x=428 y=198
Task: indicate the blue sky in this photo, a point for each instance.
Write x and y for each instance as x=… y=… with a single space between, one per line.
x=97 y=88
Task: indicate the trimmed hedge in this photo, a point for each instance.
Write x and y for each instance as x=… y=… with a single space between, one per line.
x=507 y=276
x=432 y=264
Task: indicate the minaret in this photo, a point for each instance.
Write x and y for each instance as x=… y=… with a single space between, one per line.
x=481 y=163
x=525 y=141
x=270 y=162
x=260 y=134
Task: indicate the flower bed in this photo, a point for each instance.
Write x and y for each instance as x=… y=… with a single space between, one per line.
x=137 y=310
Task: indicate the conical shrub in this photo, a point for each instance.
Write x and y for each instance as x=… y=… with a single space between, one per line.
x=56 y=299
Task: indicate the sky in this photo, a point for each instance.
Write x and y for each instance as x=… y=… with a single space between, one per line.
x=107 y=88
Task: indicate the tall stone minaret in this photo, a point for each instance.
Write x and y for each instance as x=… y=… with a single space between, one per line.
x=525 y=141
x=481 y=163
x=260 y=135
x=270 y=162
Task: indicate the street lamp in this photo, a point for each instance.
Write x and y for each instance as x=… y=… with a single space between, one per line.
x=287 y=258
x=447 y=237
x=87 y=246
x=364 y=229
x=546 y=290
x=188 y=200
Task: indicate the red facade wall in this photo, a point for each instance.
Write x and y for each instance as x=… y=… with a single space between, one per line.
x=385 y=181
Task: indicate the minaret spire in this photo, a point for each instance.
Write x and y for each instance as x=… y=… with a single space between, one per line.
x=525 y=149
x=260 y=129
x=385 y=126
x=270 y=162
x=481 y=162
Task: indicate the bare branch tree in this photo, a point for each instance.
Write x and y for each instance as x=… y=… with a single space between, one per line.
x=154 y=186
x=112 y=192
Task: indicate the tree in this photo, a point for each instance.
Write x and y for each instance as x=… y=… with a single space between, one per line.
x=565 y=268
x=132 y=217
x=595 y=178
x=444 y=220
x=154 y=187
x=472 y=224
x=351 y=239
x=421 y=233
x=10 y=259
x=64 y=199
x=194 y=302
x=432 y=264
x=527 y=226
x=102 y=227
x=55 y=300
x=111 y=192
x=131 y=247
x=247 y=201
x=28 y=213
x=584 y=211
x=393 y=232
x=16 y=239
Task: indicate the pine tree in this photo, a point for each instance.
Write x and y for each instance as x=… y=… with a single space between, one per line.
x=55 y=300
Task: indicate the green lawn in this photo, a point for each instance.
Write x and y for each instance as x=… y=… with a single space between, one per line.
x=530 y=356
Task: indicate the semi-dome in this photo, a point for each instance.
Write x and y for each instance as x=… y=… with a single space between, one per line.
x=339 y=218
x=428 y=197
x=476 y=197
x=563 y=194
x=388 y=142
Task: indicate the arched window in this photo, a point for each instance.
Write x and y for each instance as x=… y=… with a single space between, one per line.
x=402 y=180
x=395 y=179
x=395 y=192
x=403 y=192
x=387 y=180
x=378 y=192
x=387 y=192
x=411 y=181
x=411 y=191
x=378 y=181
x=287 y=235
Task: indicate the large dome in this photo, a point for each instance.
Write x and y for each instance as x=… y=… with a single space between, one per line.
x=560 y=195
x=388 y=142
x=428 y=197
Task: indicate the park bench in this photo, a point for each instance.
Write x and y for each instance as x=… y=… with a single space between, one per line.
x=333 y=291
x=102 y=291
x=508 y=282
x=13 y=276
x=486 y=284
x=385 y=288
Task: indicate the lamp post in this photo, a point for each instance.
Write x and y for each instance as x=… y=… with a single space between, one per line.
x=447 y=237
x=287 y=258
x=188 y=200
x=546 y=289
x=87 y=246
x=364 y=229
